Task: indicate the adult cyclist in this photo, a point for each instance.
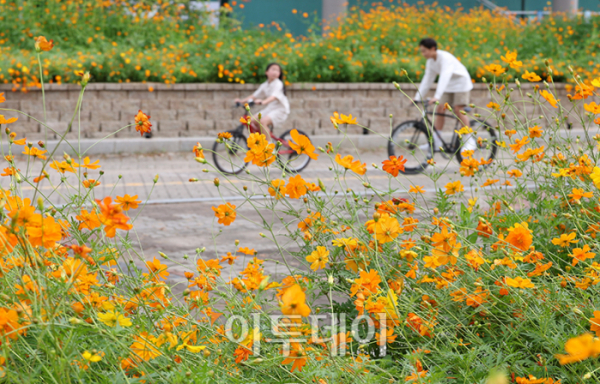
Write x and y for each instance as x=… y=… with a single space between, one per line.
x=453 y=87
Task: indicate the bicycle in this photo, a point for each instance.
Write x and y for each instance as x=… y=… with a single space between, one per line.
x=413 y=140
x=228 y=155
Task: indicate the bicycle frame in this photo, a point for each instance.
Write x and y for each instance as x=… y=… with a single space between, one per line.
x=429 y=125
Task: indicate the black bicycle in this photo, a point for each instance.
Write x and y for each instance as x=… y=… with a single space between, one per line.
x=413 y=140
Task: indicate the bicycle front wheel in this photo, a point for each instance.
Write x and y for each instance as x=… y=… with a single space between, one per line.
x=228 y=155
x=411 y=141
x=486 y=147
x=289 y=160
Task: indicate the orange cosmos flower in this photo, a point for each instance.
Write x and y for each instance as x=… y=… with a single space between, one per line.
x=519 y=143
x=90 y=183
x=128 y=202
x=416 y=189
x=454 y=187
x=318 y=258
x=257 y=141
x=225 y=213
x=489 y=182
x=277 y=188
x=41 y=44
x=10 y=171
x=229 y=258
x=112 y=217
x=293 y=302
x=495 y=69
x=156 y=269
x=9 y=121
x=296 y=187
x=511 y=59
x=337 y=119
x=580 y=348
x=394 y=165
x=260 y=152
x=519 y=236
x=86 y=164
x=62 y=167
x=9 y=323
x=89 y=220
x=224 y=135
x=247 y=251
x=302 y=144
x=494 y=106
x=34 y=152
x=519 y=282
x=387 y=229
x=297 y=355
x=581 y=254
x=583 y=91
x=531 y=77
x=595 y=323
x=348 y=163
x=579 y=194
x=40 y=178
x=565 y=240
x=484 y=229
x=2 y=99
x=198 y=150
x=535 y=131
x=246 y=120
x=469 y=166
x=592 y=108
x=142 y=123
x=549 y=98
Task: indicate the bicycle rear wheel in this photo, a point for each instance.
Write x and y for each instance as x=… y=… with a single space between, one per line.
x=486 y=148
x=289 y=160
x=411 y=141
x=228 y=155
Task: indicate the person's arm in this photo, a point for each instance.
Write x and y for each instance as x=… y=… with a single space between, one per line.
x=446 y=71
x=267 y=100
x=426 y=82
x=255 y=96
x=244 y=100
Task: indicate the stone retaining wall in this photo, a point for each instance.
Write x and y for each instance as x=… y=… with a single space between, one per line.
x=195 y=110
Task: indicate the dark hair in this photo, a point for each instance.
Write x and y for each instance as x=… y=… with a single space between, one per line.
x=280 y=73
x=428 y=43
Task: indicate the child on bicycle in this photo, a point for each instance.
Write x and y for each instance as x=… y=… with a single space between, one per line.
x=453 y=87
x=272 y=94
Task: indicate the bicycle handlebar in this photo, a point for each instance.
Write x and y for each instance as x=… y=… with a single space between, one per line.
x=250 y=104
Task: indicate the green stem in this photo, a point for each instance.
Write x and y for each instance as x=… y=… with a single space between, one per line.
x=43 y=94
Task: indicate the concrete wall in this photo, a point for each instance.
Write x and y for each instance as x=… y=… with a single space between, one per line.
x=201 y=110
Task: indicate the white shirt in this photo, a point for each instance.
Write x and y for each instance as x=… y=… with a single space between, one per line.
x=454 y=77
x=274 y=88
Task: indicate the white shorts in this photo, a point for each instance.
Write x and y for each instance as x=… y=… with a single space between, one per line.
x=277 y=116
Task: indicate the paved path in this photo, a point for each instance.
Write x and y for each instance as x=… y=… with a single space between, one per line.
x=178 y=217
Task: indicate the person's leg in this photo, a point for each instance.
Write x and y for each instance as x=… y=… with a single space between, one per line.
x=439 y=117
x=469 y=141
x=265 y=123
x=464 y=119
x=438 y=123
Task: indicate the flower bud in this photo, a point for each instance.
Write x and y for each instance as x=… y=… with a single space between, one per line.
x=216 y=182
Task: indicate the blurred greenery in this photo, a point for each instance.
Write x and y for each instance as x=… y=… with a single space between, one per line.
x=156 y=41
